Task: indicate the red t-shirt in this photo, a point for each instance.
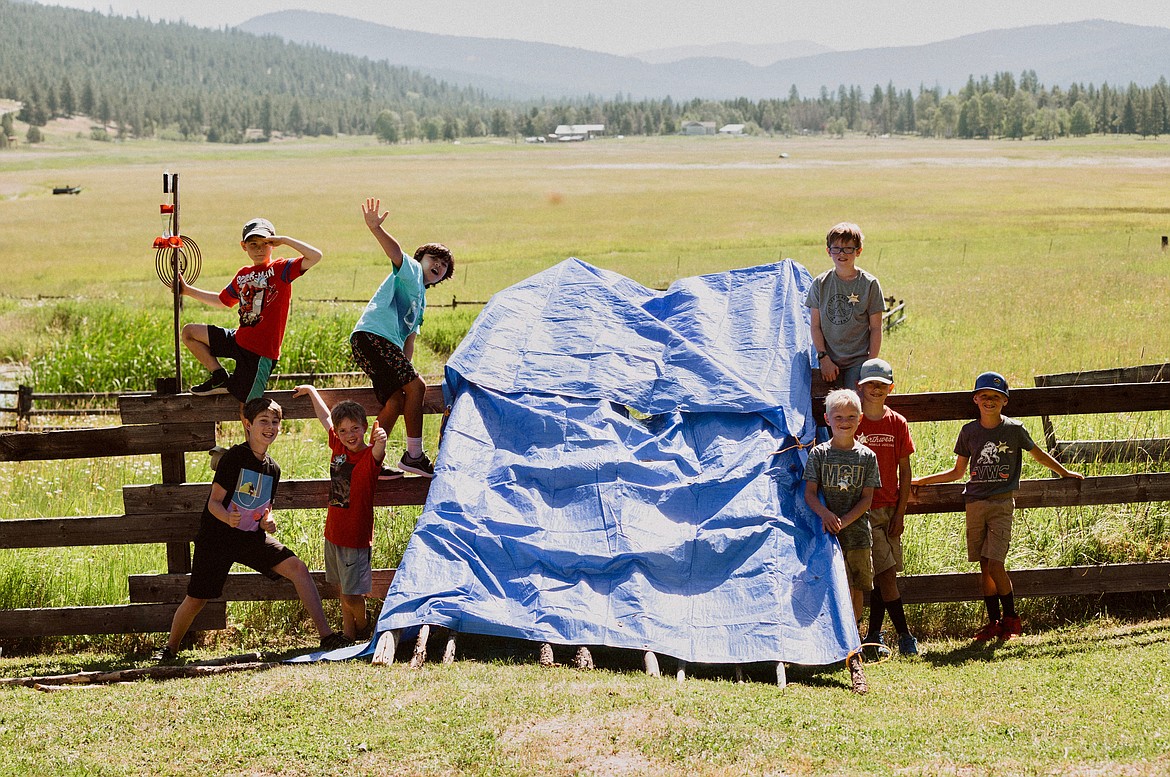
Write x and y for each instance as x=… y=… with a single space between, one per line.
x=352 y=477
x=890 y=439
x=263 y=293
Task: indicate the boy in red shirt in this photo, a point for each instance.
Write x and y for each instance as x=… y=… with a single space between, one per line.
x=349 y=523
x=263 y=292
x=886 y=433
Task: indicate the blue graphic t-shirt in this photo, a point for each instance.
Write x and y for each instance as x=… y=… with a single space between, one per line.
x=996 y=457
x=395 y=312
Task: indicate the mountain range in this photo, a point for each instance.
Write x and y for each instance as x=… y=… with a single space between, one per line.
x=1092 y=51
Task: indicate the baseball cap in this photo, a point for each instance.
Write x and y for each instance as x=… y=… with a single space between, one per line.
x=993 y=381
x=876 y=369
x=261 y=227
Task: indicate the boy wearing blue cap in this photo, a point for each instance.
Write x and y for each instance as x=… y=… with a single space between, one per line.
x=993 y=447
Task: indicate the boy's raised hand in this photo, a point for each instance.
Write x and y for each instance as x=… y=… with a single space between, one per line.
x=377 y=433
x=371 y=215
x=233 y=517
x=300 y=391
x=267 y=522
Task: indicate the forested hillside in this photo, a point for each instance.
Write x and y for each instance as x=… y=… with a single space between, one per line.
x=137 y=78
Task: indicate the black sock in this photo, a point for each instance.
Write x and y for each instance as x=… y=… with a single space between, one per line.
x=897 y=616
x=992 y=603
x=877 y=611
x=1009 y=605
x=221 y=374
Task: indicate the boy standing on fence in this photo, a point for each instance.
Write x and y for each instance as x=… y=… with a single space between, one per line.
x=383 y=339
x=846 y=307
x=263 y=290
x=237 y=526
x=993 y=446
x=349 y=523
x=885 y=432
x=845 y=473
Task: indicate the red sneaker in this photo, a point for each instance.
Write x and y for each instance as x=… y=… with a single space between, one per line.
x=1010 y=627
x=990 y=631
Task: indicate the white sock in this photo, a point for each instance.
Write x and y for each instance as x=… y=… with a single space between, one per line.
x=414 y=446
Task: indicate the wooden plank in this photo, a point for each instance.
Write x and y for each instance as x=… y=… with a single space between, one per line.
x=244 y=587
x=1061 y=400
x=1111 y=451
x=100 y=530
x=1055 y=581
x=107 y=441
x=1146 y=373
x=1055 y=492
x=291 y=494
x=112 y=619
x=184 y=408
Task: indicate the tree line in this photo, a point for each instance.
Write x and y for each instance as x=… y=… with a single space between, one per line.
x=138 y=78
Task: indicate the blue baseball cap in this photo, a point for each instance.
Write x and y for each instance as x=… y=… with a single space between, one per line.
x=992 y=381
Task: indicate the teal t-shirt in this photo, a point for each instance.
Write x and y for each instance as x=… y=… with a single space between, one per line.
x=395 y=312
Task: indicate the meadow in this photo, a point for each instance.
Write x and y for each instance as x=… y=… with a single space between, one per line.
x=1019 y=256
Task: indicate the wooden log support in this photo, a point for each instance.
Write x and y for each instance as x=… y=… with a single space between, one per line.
x=112 y=619
x=650 y=661
x=420 y=648
x=119 y=676
x=681 y=674
x=99 y=530
x=449 y=651
x=739 y=674
x=244 y=587
x=106 y=441
x=546 y=657
x=781 y=675
x=386 y=648
x=292 y=494
x=583 y=659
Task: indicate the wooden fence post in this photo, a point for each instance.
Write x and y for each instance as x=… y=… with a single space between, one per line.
x=24 y=400
x=174 y=470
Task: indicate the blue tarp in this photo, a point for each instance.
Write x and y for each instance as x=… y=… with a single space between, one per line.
x=608 y=474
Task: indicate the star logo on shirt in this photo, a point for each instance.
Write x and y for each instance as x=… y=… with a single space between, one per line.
x=1003 y=448
x=854 y=299
x=861 y=438
x=843 y=485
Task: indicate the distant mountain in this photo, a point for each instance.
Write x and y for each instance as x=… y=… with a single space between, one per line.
x=758 y=54
x=1060 y=54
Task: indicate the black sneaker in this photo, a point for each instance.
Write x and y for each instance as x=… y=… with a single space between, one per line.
x=389 y=474
x=164 y=655
x=419 y=465
x=335 y=641
x=216 y=384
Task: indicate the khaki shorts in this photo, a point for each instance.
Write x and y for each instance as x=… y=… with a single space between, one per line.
x=989 y=527
x=887 y=550
x=859 y=569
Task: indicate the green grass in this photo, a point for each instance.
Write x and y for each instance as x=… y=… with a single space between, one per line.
x=1054 y=703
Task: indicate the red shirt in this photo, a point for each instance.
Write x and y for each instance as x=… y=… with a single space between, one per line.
x=263 y=293
x=352 y=477
x=890 y=439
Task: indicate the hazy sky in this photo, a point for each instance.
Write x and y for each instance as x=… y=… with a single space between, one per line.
x=626 y=26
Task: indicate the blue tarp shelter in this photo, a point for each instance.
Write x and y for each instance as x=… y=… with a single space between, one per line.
x=609 y=474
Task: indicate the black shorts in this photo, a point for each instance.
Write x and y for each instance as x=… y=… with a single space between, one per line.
x=215 y=552
x=251 y=372
x=384 y=362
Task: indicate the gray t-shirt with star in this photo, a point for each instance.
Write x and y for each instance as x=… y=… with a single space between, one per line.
x=841 y=476
x=845 y=308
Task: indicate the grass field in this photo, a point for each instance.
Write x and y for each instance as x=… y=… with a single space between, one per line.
x=1023 y=257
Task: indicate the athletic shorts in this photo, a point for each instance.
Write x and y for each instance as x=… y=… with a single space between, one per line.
x=859 y=568
x=989 y=527
x=384 y=362
x=251 y=372
x=215 y=554
x=349 y=569
x=887 y=551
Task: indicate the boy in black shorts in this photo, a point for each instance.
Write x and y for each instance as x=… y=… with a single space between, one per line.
x=383 y=339
x=237 y=526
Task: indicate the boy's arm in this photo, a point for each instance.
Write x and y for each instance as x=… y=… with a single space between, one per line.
x=318 y=404
x=898 y=519
x=828 y=518
x=1042 y=456
x=216 y=508
x=206 y=297
x=859 y=509
x=385 y=239
x=950 y=475
x=378 y=442
x=828 y=369
x=310 y=254
x=408 y=347
x=875 y=334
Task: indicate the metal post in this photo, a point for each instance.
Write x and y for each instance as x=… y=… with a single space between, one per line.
x=175 y=293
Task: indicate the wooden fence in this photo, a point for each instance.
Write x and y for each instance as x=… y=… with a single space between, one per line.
x=168 y=512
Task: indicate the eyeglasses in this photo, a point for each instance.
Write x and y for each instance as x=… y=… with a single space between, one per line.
x=847 y=250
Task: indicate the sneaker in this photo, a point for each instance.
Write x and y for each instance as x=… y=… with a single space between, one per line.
x=216 y=384
x=857 y=675
x=335 y=641
x=389 y=474
x=419 y=465
x=875 y=649
x=1010 y=627
x=989 y=631
x=164 y=655
x=907 y=644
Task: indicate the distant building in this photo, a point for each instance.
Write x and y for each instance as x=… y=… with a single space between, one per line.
x=570 y=132
x=698 y=128
x=731 y=129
